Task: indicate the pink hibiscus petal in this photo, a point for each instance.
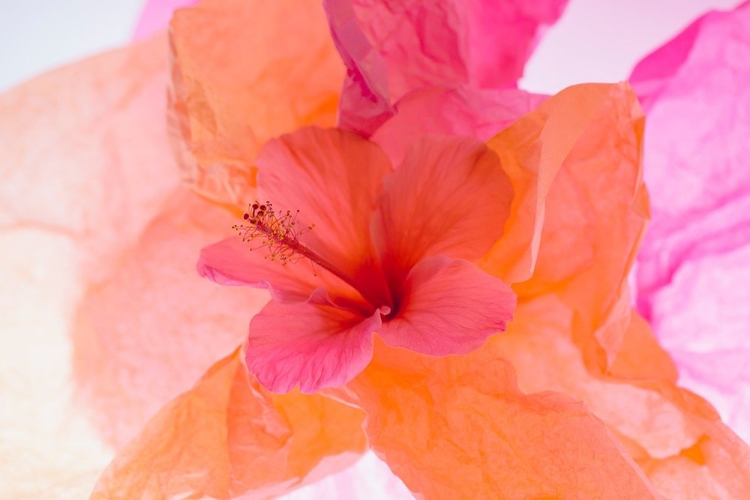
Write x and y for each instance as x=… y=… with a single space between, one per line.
x=233 y=262
x=449 y=197
x=392 y=49
x=155 y=16
x=449 y=307
x=333 y=177
x=312 y=345
x=691 y=275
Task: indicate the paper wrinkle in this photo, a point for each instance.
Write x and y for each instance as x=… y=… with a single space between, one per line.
x=651 y=418
x=462 y=111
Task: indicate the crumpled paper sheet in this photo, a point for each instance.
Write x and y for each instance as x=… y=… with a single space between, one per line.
x=228 y=436
x=392 y=49
x=694 y=266
x=674 y=436
x=139 y=338
x=599 y=184
x=459 y=427
x=77 y=145
x=132 y=239
x=243 y=72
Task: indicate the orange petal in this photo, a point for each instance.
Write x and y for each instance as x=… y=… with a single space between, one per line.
x=458 y=427
x=657 y=422
x=531 y=152
x=640 y=356
x=244 y=71
x=228 y=436
x=581 y=208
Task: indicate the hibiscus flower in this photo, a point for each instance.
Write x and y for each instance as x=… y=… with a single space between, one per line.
x=391 y=252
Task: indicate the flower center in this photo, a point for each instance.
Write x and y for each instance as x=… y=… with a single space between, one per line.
x=279 y=233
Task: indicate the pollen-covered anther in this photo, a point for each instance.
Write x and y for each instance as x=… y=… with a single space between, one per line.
x=277 y=232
